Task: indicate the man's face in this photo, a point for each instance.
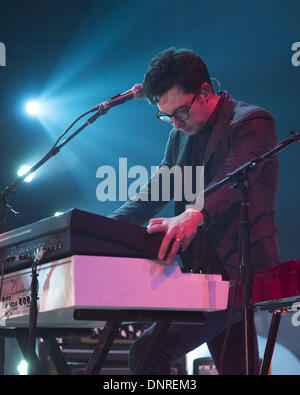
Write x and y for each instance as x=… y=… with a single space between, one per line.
x=175 y=99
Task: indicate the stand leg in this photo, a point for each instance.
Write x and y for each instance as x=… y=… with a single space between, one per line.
x=249 y=340
x=56 y=355
x=102 y=348
x=272 y=336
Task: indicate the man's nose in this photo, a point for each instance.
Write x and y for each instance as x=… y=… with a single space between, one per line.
x=176 y=122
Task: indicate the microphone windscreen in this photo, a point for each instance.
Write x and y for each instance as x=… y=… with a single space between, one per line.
x=138 y=91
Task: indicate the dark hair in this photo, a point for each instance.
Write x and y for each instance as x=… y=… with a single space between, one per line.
x=174 y=67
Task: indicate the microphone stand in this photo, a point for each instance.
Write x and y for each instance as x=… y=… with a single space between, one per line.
x=240 y=180
x=3 y=209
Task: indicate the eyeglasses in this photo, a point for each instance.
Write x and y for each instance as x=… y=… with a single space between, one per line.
x=181 y=114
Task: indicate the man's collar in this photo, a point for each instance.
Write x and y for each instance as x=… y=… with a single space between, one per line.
x=214 y=116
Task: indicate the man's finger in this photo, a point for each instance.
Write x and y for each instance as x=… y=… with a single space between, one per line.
x=174 y=250
x=165 y=245
x=156 y=228
x=155 y=221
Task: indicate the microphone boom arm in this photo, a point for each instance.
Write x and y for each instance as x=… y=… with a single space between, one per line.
x=52 y=152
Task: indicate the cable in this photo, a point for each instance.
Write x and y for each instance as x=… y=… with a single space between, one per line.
x=66 y=131
x=219 y=84
x=33 y=312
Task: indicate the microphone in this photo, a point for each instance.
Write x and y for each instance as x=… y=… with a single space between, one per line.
x=136 y=92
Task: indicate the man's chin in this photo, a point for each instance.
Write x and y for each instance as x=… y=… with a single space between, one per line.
x=190 y=132
x=186 y=130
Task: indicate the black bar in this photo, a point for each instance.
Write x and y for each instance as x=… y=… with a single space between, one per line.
x=105 y=341
x=139 y=315
x=46 y=332
x=272 y=305
x=271 y=340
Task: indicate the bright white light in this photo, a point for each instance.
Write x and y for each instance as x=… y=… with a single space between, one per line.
x=33 y=108
x=58 y=213
x=23 y=368
x=23 y=170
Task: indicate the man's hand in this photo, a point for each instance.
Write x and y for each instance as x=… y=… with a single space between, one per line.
x=180 y=229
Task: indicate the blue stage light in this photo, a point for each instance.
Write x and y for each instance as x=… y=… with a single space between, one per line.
x=23 y=170
x=33 y=108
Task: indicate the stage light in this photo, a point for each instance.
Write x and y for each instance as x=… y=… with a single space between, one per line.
x=23 y=368
x=58 y=213
x=33 y=108
x=23 y=170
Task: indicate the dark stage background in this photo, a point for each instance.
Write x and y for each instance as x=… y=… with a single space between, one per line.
x=71 y=55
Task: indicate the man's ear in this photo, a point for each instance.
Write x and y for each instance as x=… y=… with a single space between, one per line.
x=206 y=89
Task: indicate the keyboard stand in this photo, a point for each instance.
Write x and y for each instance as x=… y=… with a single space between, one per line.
x=163 y=319
x=113 y=318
